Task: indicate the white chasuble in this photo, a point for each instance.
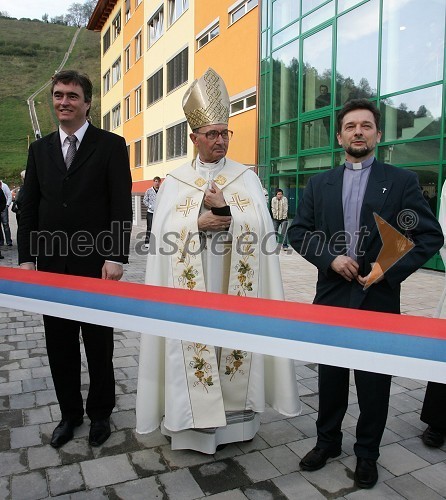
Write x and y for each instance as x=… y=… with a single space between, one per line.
x=193 y=385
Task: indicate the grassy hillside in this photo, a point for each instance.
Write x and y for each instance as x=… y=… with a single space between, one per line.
x=30 y=51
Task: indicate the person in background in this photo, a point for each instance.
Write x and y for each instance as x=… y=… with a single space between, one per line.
x=149 y=201
x=15 y=207
x=75 y=219
x=4 y=216
x=335 y=230
x=279 y=210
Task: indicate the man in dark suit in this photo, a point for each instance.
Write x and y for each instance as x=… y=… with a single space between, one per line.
x=338 y=205
x=76 y=219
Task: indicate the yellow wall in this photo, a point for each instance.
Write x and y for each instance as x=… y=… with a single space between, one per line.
x=234 y=55
x=132 y=79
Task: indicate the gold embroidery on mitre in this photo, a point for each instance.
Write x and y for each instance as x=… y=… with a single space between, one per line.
x=206 y=102
x=220 y=180
x=186 y=208
x=236 y=201
x=200 y=182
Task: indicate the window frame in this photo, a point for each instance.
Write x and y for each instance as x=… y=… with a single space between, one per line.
x=180 y=128
x=116 y=70
x=116 y=117
x=178 y=80
x=138 y=153
x=106 y=41
x=156 y=147
x=160 y=85
x=138 y=45
x=155 y=17
x=106 y=82
x=138 y=100
x=206 y=34
x=237 y=7
x=116 y=25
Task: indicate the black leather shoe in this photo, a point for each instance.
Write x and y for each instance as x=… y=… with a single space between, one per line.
x=432 y=437
x=99 y=432
x=366 y=473
x=64 y=432
x=317 y=458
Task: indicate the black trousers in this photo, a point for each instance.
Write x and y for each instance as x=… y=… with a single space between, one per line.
x=149 y=226
x=434 y=406
x=373 y=397
x=63 y=347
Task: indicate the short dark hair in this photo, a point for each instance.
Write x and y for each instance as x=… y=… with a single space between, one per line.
x=354 y=104
x=323 y=86
x=279 y=191
x=71 y=76
x=157 y=178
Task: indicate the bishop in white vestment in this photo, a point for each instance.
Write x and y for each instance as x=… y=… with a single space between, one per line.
x=203 y=395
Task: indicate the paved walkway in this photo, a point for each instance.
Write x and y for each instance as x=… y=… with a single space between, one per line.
x=131 y=466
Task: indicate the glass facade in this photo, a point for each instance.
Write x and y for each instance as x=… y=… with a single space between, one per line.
x=316 y=55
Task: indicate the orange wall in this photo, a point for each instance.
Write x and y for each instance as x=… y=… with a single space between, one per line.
x=234 y=55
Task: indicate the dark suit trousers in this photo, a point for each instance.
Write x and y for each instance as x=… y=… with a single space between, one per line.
x=434 y=406
x=373 y=397
x=63 y=347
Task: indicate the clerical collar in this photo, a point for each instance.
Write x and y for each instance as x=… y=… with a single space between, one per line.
x=211 y=166
x=359 y=166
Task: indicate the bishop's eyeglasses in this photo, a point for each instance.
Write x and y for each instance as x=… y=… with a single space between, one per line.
x=212 y=135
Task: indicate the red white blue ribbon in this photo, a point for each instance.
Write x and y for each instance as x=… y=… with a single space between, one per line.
x=408 y=346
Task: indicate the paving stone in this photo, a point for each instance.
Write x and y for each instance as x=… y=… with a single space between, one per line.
x=282 y=458
x=11 y=418
x=107 y=470
x=219 y=476
x=42 y=457
x=257 y=467
x=412 y=489
x=5 y=440
x=37 y=416
x=23 y=437
x=65 y=479
x=183 y=458
x=41 y=372
x=76 y=450
x=413 y=418
x=296 y=487
x=21 y=374
x=124 y=419
x=227 y=495
x=334 y=479
x=305 y=424
x=12 y=462
x=180 y=485
x=141 y=489
x=271 y=415
x=126 y=402
x=35 y=384
x=257 y=443
x=302 y=447
x=4 y=403
x=398 y=460
x=44 y=398
x=4 y=487
x=148 y=462
x=20 y=401
x=281 y=432
x=432 y=455
x=9 y=388
x=402 y=428
x=379 y=492
x=119 y=442
x=96 y=494
x=404 y=403
x=383 y=474
x=229 y=451
x=151 y=439
x=434 y=477
x=31 y=486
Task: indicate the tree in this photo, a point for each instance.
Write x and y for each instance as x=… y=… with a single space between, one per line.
x=3 y=13
x=76 y=15
x=45 y=18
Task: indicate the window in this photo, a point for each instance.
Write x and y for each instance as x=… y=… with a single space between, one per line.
x=209 y=34
x=106 y=41
x=127 y=10
x=176 y=141
x=116 y=71
x=155 y=87
x=137 y=154
x=243 y=104
x=177 y=70
x=155 y=26
x=176 y=8
x=106 y=121
x=116 y=26
x=127 y=57
x=241 y=10
x=138 y=100
x=138 y=2
x=116 y=116
x=127 y=108
x=106 y=82
x=138 y=46
x=155 y=148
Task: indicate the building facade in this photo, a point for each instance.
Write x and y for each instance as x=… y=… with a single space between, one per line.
x=151 y=51
x=316 y=54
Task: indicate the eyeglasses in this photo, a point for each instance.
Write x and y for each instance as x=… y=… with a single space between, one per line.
x=212 y=135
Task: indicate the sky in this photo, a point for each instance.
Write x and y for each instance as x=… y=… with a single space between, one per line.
x=34 y=9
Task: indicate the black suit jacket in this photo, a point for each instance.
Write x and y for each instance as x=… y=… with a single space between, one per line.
x=72 y=221
x=318 y=229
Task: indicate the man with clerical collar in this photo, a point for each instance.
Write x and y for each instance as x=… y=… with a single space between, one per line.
x=211 y=232
x=335 y=230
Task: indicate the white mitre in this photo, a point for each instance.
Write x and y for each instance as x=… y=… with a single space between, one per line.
x=206 y=101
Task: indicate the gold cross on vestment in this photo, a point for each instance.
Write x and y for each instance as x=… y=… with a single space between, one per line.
x=238 y=202
x=187 y=207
